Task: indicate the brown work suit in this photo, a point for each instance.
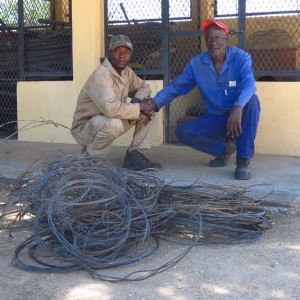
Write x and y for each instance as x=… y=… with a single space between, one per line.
x=103 y=112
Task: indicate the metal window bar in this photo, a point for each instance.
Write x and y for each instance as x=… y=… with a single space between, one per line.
x=35 y=44
x=275 y=52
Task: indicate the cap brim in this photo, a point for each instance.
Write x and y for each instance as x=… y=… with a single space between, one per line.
x=122 y=44
x=207 y=23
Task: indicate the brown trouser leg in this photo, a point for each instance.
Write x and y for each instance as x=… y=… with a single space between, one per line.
x=99 y=133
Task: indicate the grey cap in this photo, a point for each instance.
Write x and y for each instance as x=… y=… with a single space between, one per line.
x=120 y=40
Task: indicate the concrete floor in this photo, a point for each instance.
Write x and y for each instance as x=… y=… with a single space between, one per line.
x=276 y=179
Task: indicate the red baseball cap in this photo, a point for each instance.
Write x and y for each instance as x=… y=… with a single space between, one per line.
x=207 y=23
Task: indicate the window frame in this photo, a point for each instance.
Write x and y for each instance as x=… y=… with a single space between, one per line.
x=251 y=14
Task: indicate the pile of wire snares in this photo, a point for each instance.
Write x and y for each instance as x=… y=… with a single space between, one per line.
x=88 y=213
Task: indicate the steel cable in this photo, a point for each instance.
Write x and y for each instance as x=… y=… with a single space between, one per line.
x=87 y=213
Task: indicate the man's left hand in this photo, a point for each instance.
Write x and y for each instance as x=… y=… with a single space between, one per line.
x=234 y=124
x=135 y=100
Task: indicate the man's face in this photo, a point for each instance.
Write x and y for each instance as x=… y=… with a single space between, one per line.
x=119 y=58
x=216 y=41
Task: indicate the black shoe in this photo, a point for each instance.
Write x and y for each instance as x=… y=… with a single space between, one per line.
x=242 y=171
x=222 y=160
x=136 y=161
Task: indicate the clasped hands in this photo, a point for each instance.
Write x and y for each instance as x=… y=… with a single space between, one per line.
x=147 y=106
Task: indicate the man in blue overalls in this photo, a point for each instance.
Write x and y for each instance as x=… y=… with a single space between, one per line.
x=226 y=83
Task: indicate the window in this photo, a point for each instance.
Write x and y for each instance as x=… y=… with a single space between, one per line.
x=33 y=10
x=132 y=11
x=229 y=8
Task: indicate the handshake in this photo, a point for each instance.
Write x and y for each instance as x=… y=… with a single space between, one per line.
x=147 y=106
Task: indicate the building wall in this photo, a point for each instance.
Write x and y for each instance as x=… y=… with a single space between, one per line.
x=279 y=127
x=55 y=101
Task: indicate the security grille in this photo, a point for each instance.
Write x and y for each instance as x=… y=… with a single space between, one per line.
x=269 y=31
x=8 y=67
x=35 y=44
x=167 y=34
x=47 y=39
x=144 y=23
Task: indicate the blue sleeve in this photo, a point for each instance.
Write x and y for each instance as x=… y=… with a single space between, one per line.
x=183 y=84
x=247 y=86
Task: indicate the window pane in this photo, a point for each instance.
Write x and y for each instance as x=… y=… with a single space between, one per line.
x=257 y=7
x=132 y=10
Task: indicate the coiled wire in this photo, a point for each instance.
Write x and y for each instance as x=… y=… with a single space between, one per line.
x=87 y=213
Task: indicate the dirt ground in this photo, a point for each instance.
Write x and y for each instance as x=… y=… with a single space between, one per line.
x=266 y=269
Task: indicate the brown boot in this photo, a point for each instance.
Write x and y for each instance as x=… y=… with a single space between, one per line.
x=222 y=160
x=242 y=171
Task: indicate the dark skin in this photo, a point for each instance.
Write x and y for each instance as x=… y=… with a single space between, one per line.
x=120 y=58
x=216 y=42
